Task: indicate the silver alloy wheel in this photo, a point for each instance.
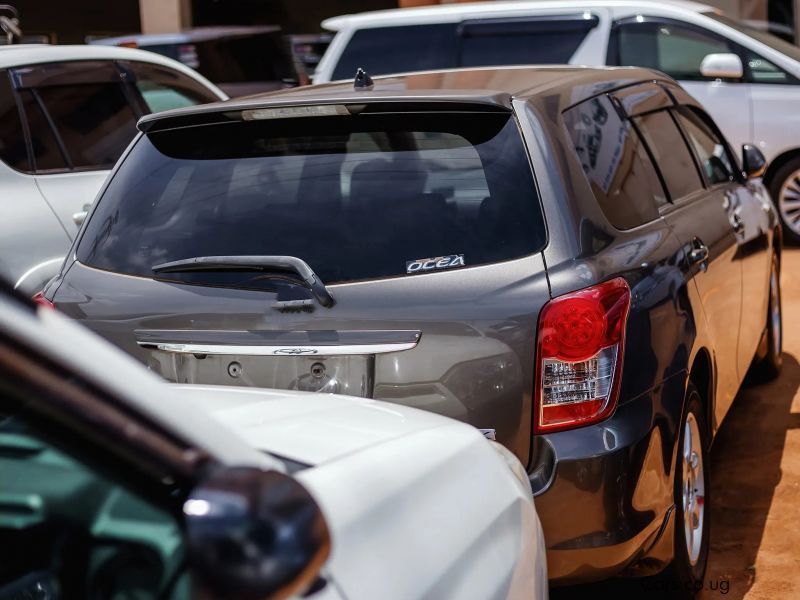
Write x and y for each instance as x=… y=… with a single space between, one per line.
x=775 y=312
x=789 y=202
x=694 y=488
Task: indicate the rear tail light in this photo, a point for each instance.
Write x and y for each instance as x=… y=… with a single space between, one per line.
x=581 y=340
x=39 y=298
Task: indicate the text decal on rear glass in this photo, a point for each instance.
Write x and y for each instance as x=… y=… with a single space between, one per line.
x=432 y=264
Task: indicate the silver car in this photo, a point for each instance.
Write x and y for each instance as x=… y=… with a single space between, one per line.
x=66 y=115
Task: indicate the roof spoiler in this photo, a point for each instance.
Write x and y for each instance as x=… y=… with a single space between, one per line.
x=230 y=112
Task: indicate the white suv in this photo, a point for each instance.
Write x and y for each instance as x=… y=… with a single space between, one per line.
x=66 y=115
x=747 y=79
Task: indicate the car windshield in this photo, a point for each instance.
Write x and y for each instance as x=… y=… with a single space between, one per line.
x=356 y=197
x=770 y=40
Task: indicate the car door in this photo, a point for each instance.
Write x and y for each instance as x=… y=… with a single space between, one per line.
x=80 y=117
x=749 y=221
x=32 y=240
x=775 y=94
x=678 y=49
x=701 y=218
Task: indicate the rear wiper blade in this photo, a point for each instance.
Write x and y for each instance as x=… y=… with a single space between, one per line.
x=253 y=263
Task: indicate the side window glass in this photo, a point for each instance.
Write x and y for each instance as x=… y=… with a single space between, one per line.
x=710 y=149
x=376 y=49
x=673 y=49
x=760 y=70
x=164 y=89
x=670 y=152
x=47 y=155
x=94 y=121
x=615 y=161
x=521 y=42
x=68 y=531
x=12 y=140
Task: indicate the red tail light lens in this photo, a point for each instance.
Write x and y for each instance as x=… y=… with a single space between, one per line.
x=39 y=298
x=581 y=342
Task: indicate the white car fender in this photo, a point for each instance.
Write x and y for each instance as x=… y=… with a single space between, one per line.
x=475 y=531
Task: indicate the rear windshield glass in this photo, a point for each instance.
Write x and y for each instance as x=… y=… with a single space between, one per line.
x=478 y=43
x=356 y=197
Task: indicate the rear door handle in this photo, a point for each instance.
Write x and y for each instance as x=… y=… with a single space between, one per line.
x=698 y=254
x=737 y=223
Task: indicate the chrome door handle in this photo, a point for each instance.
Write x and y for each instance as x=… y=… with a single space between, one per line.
x=698 y=254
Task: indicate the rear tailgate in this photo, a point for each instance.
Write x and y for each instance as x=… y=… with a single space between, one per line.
x=426 y=228
x=473 y=359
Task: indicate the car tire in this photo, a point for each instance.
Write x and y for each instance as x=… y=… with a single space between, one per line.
x=692 y=502
x=767 y=363
x=785 y=191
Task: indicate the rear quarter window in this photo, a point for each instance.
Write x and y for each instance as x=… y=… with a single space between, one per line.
x=616 y=163
x=355 y=197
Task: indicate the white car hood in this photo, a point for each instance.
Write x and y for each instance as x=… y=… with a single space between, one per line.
x=309 y=428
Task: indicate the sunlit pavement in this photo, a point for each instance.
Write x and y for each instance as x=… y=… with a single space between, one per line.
x=755 y=538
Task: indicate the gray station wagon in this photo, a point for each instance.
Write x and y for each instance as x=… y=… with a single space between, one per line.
x=570 y=258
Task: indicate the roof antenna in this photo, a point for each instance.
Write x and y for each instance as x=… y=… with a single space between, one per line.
x=363 y=82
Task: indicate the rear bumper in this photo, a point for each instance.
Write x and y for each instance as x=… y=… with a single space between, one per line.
x=604 y=493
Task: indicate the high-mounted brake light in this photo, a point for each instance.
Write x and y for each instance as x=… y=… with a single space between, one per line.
x=295 y=112
x=39 y=298
x=579 y=358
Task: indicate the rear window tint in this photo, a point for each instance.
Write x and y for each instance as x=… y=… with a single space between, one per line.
x=616 y=162
x=479 y=43
x=95 y=121
x=355 y=197
x=710 y=148
x=671 y=153
x=47 y=153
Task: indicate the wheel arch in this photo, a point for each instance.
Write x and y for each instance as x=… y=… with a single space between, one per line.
x=778 y=162
x=701 y=374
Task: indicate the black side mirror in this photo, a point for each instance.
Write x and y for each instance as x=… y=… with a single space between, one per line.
x=753 y=161
x=254 y=534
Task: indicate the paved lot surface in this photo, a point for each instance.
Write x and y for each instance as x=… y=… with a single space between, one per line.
x=755 y=538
